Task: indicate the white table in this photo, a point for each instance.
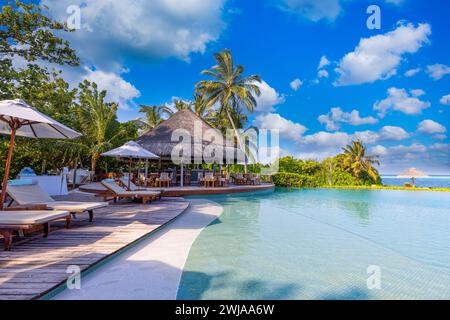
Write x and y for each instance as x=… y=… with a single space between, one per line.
x=53 y=185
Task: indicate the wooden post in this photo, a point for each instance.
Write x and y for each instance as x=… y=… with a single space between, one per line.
x=8 y=165
x=129 y=175
x=74 y=178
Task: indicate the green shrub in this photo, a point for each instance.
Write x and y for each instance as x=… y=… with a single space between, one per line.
x=286 y=179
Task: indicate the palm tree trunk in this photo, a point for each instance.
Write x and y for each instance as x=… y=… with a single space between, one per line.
x=94 y=163
x=238 y=138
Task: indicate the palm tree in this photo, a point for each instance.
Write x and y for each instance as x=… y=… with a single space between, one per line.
x=358 y=161
x=153 y=116
x=229 y=89
x=98 y=121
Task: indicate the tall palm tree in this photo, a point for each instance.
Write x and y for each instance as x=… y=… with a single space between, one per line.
x=154 y=115
x=358 y=161
x=98 y=121
x=229 y=89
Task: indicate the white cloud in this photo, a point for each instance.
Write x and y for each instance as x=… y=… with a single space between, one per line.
x=296 y=84
x=417 y=92
x=445 y=100
x=412 y=72
x=139 y=28
x=322 y=74
x=287 y=128
x=438 y=71
x=268 y=99
x=430 y=127
x=400 y=100
x=313 y=10
x=440 y=136
x=323 y=62
x=393 y=133
x=336 y=116
x=396 y=2
x=118 y=90
x=379 y=56
x=445 y=147
x=398 y=150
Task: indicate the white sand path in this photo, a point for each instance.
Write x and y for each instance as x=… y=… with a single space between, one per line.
x=152 y=269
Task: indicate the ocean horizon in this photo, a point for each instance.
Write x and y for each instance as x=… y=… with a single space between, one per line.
x=432 y=181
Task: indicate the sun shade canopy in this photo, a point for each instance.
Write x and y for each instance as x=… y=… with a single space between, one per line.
x=32 y=123
x=131 y=149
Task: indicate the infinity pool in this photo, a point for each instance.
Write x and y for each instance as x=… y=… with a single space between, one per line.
x=319 y=244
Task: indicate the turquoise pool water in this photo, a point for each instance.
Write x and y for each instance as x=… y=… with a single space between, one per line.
x=318 y=244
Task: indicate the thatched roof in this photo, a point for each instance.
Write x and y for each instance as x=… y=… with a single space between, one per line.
x=159 y=140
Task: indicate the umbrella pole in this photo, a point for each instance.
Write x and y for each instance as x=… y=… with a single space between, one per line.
x=7 y=166
x=129 y=175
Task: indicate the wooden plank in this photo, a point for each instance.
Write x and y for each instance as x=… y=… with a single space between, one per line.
x=38 y=264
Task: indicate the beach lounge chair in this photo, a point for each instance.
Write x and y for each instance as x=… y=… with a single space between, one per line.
x=133 y=187
x=32 y=193
x=19 y=220
x=119 y=192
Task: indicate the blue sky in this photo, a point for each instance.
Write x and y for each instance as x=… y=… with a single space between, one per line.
x=388 y=87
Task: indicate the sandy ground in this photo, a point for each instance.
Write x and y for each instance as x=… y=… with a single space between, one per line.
x=152 y=269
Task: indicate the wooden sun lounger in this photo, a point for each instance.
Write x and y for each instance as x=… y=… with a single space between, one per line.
x=119 y=192
x=33 y=194
x=18 y=220
x=134 y=187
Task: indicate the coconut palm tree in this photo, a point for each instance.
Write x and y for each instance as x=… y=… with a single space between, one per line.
x=154 y=115
x=229 y=89
x=98 y=121
x=358 y=161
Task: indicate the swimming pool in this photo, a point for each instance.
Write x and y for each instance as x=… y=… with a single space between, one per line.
x=319 y=244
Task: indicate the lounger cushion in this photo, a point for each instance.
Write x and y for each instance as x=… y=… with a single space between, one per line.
x=24 y=194
x=34 y=194
x=30 y=217
x=119 y=191
x=76 y=207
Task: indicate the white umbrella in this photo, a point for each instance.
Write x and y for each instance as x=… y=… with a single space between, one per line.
x=412 y=173
x=17 y=118
x=131 y=150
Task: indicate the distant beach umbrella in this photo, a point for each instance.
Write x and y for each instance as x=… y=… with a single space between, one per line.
x=131 y=150
x=17 y=118
x=413 y=174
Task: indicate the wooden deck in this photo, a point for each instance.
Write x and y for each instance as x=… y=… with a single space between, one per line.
x=176 y=191
x=35 y=267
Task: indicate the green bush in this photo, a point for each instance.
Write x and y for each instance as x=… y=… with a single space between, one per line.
x=286 y=179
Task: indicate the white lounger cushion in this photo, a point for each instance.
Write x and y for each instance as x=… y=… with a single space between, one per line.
x=34 y=194
x=76 y=207
x=118 y=190
x=30 y=217
x=134 y=187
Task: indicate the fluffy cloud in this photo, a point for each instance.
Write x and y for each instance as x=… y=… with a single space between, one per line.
x=323 y=62
x=296 y=84
x=324 y=144
x=412 y=72
x=268 y=99
x=438 y=71
x=445 y=100
x=118 y=90
x=430 y=127
x=393 y=133
x=322 y=74
x=379 y=56
x=287 y=128
x=336 y=116
x=400 y=100
x=148 y=29
x=398 y=150
x=313 y=10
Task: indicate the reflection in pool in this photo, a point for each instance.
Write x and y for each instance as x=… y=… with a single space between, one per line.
x=318 y=244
